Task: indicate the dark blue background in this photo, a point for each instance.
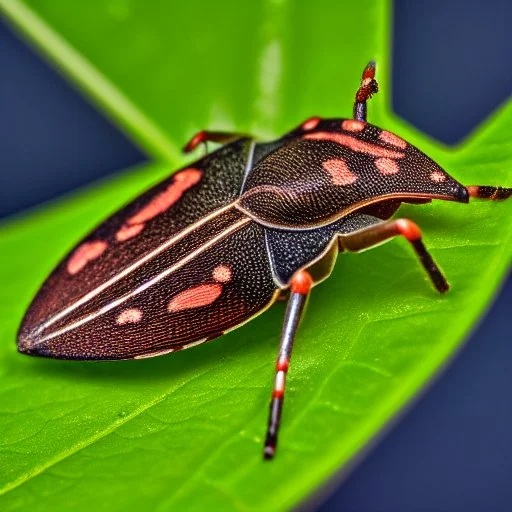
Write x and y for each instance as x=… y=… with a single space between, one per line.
x=452 y=451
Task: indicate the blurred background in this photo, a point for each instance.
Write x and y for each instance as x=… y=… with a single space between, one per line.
x=452 y=449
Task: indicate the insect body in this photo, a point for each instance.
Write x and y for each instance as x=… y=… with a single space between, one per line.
x=218 y=242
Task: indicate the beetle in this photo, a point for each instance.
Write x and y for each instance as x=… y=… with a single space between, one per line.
x=218 y=242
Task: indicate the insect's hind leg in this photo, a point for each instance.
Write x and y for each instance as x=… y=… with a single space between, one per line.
x=368 y=87
x=300 y=288
x=489 y=192
x=378 y=233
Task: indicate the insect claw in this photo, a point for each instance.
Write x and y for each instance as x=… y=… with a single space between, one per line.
x=269 y=451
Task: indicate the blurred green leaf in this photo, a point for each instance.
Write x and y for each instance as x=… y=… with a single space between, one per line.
x=184 y=432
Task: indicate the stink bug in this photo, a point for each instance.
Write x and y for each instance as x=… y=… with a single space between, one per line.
x=218 y=242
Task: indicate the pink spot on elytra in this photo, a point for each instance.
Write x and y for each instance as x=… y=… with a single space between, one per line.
x=84 y=254
x=394 y=140
x=188 y=177
x=437 y=177
x=127 y=232
x=159 y=204
x=310 y=124
x=339 y=171
x=354 y=144
x=164 y=200
x=352 y=125
x=222 y=274
x=129 y=316
x=387 y=166
x=195 y=297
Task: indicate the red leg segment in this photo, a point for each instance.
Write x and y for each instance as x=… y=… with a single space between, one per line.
x=204 y=136
x=367 y=89
x=299 y=291
x=376 y=234
x=489 y=192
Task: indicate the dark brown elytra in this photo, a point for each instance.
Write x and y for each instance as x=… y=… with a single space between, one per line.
x=218 y=242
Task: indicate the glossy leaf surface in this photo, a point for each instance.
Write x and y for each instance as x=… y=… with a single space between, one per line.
x=185 y=431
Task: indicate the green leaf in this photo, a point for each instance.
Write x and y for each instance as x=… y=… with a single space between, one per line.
x=184 y=432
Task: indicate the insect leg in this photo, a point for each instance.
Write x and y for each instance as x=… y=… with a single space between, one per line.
x=379 y=233
x=489 y=192
x=368 y=87
x=300 y=287
x=205 y=136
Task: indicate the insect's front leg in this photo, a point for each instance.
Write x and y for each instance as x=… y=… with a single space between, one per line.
x=368 y=87
x=378 y=233
x=299 y=290
x=489 y=192
x=205 y=136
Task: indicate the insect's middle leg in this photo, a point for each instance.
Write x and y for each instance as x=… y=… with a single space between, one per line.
x=300 y=288
x=368 y=87
x=378 y=233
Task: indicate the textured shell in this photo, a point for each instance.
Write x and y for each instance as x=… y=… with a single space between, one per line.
x=336 y=168
x=169 y=270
